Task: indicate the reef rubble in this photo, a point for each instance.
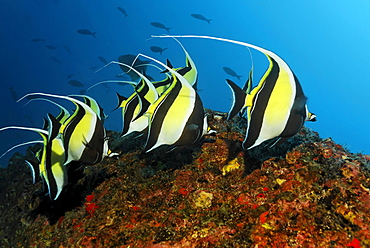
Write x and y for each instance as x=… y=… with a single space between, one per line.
x=309 y=192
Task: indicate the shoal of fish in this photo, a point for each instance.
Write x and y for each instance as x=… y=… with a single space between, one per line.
x=168 y=113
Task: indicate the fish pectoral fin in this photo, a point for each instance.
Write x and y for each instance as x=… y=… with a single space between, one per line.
x=86 y=143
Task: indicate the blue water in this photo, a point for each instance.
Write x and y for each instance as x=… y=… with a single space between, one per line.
x=326 y=43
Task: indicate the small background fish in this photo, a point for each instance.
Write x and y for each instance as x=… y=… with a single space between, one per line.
x=231 y=72
x=160 y=25
x=139 y=65
x=201 y=17
x=75 y=83
x=102 y=59
x=157 y=49
x=86 y=32
x=123 y=11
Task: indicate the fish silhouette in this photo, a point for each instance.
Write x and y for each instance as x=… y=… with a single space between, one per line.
x=157 y=49
x=123 y=11
x=56 y=59
x=231 y=72
x=75 y=83
x=51 y=47
x=160 y=25
x=201 y=17
x=38 y=40
x=86 y=32
x=102 y=59
x=139 y=65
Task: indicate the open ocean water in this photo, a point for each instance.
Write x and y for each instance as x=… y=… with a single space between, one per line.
x=326 y=44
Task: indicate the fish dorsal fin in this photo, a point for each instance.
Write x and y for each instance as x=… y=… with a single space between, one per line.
x=147 y=81
x=169 y=64
x=94 y=105
x=248 y=84
x=191 y=74
x=78 y=104
x=45 y=126
x=111 y=81
x=22 y=144
x=54 y=127
x=121 y=99
x=239 y=99
x=161 y=86
x=62 y=116
x=35 y=170
x=41 y=131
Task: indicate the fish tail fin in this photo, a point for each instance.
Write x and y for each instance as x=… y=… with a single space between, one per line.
x=209 y=21
x=238 y=76
x=93 y=34
x=168 y=30
x=162 y=51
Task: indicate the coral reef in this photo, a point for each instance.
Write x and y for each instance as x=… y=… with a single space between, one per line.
x=307 y=192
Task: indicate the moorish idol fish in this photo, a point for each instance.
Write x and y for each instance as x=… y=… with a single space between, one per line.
x=53 y=158
x=50 y=166
x=277 y=106
x=84 y=135
x=134 y=106
x=176 y=118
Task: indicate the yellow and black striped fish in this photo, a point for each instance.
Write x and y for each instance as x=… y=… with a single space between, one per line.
x=176 y=118
x=276 y=108
x=51 y=158
x=84 y=135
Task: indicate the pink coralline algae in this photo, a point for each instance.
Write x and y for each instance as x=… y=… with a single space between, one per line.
x=312 y=194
